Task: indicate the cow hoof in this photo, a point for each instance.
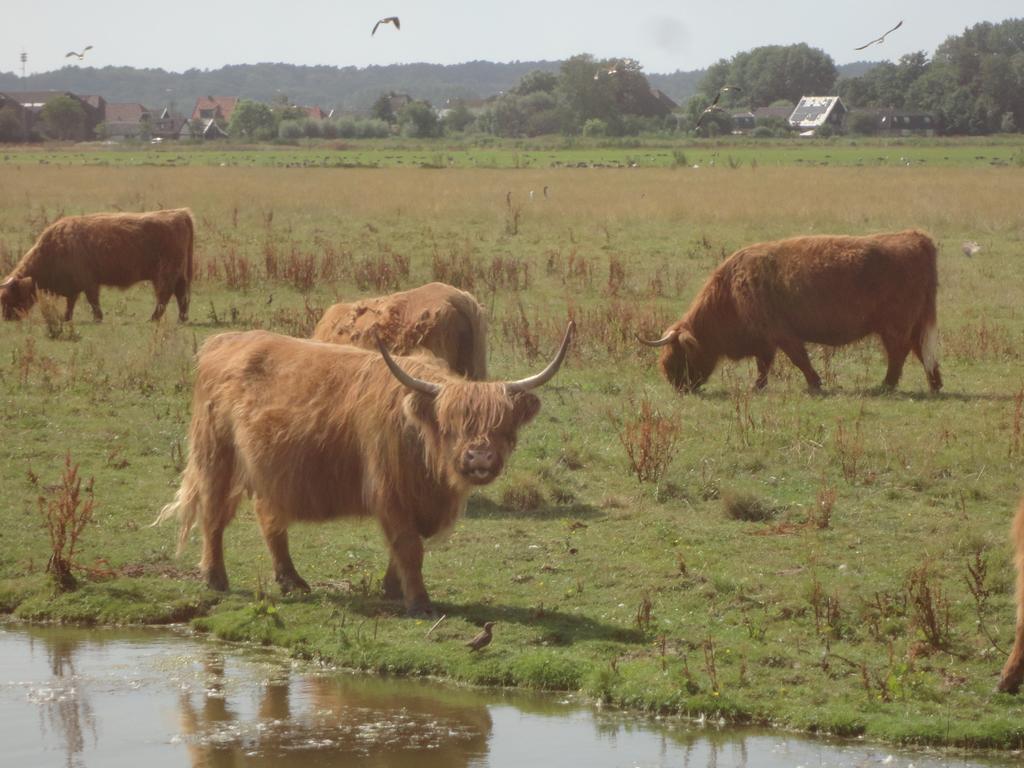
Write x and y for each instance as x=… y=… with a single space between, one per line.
x=218 y=582
x=292 y=583
x=1008 y=685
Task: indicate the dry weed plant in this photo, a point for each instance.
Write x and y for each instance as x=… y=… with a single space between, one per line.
x=66 y=512
x=650 y=440
x=1017 y=425
x=929 y=607
x=849 y=448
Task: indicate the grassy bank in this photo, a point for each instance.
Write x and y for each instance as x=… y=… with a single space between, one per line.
x=836 y=563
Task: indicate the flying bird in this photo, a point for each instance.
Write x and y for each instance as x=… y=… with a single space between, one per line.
x=713 y=106
x=879 y=39
x=483 y=639
x=80 y=56
x=386 y=20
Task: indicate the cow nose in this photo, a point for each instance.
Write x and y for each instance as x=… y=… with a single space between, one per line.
x=480 y=458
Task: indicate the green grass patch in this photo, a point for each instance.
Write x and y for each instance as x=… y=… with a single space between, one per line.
x=643 y=594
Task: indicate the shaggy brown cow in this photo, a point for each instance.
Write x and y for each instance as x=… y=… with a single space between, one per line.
x=1013 y=670
x=315 y=431
x=825 y=290
x=436 y=317
x=78 y=254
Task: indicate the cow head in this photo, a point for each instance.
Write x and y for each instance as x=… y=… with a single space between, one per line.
x=470 y=427
x=683 y=361
x=17 y=295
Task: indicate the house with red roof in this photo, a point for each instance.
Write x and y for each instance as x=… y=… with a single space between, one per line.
x=214 y=108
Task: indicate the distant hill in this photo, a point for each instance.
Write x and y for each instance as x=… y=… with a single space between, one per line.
x=345 y=87
x=679 y=86
x=855 y=68
x=349 y=88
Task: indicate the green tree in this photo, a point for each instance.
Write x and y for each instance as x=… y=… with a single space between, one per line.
x=11 y=127
x=252 y=120
x=419 y=120
x=769 y=73
x=459 y=118
x=382 y=110
x=63 y=118
x=863 y=123
x=537 y=80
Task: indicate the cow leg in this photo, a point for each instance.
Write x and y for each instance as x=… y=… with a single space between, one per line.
x=406 y=547
x=929 y=358
x=392 y=585
x=1013 y=670
x=69 y=310
x=181 y=295
x=163 y=295
x=218 y=509
x=896 y=349
x=797 y=352
x=764 y=365
x=275 y=533
x=92 y=295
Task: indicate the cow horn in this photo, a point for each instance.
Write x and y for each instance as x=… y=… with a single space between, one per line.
x=544 y=376
x=410 y=381
x=7 y=282
x=658 y=342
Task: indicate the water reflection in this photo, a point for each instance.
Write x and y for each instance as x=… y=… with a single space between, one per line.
x=308 y=719
x=158 y=699
x=63 y=713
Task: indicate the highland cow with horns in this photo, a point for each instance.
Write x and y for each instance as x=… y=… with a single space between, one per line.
x=437 y=317
x=315 y=431
x=78 y=254
x=823 y=289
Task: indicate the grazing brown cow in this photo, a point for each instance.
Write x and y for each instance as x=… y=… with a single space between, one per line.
x=825 y=290
x=78 y=254
x=436 y=317
x=315 y=431
x=1013 y=670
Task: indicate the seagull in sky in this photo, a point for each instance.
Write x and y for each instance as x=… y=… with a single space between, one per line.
x=80 y=56
x=386 y=20
x=879 y=39
x=713 y=106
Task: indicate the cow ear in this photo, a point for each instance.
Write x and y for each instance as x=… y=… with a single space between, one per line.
x=526 y=406
x=420 y=408
x=25 y=286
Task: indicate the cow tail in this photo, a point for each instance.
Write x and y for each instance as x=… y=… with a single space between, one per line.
x=1013 y=672
x=185 y=506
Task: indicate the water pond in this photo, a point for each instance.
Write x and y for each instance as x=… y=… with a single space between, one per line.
x=75 y=697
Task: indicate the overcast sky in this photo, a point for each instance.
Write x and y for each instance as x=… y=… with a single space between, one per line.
x=664 y=35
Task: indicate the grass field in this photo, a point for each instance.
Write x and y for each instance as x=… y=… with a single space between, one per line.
x=836 y=563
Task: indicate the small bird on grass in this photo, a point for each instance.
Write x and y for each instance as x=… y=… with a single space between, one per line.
x=387 y=20
x=483 y=639
x=80 y=56
x=879 y=39
x=970 y=247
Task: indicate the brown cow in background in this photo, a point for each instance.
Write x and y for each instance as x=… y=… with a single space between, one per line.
x=824 y=289
x=1013 y=670
x=78 y=254
x=436 y=317
x=315 y=431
